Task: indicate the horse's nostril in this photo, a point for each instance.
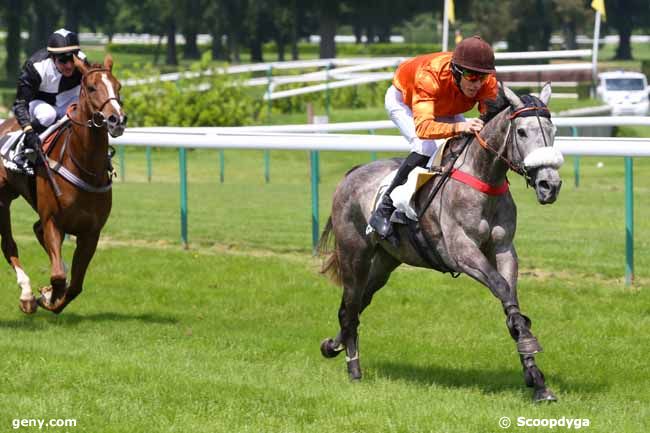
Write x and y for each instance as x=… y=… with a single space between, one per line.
x=112 y=119
x=542 y=184
x=124 y=119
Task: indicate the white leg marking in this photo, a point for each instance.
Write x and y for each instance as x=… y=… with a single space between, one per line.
x=24 y=284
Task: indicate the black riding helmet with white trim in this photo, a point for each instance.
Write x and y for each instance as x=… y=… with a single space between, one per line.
x=63 y=41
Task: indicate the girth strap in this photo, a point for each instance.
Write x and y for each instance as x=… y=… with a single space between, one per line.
x=424 y=248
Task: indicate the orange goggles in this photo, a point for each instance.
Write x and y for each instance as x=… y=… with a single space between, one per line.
x=473 y=75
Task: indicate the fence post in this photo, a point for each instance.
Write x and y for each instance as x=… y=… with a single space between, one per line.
x=629 y=221
x=121 y=151
x=182 y=159
x=314 y=175
x=267 y=156
x=222 y=165
x=314 y=199
x=327 y=89
x=373 y=154
x=576 y=161
x=148 y=153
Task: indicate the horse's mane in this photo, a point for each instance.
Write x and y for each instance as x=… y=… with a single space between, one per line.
x=495 y=106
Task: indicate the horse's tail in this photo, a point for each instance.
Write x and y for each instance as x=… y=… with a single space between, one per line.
x=327 y=247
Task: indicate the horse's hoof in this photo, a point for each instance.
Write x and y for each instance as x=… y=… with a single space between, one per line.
x=45 y=301
x=544 y=395
x=528 y=346
x=354 y=367
x=329 y=349
x=28 y=306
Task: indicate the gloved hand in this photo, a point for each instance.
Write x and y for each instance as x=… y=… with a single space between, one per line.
x=32 y=140
x=470 y=126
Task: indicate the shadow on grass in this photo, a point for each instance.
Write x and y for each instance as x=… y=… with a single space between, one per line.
x=488 y=380
x=43 y=321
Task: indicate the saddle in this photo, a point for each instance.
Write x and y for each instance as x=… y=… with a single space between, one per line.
x=409 y=204
x=15 y=157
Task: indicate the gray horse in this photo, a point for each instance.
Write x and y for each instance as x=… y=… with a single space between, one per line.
x=466 y=230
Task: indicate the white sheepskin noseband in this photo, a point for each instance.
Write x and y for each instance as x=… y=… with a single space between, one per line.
x=544 y=156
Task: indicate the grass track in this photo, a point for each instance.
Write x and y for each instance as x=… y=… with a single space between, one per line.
x=224 y=337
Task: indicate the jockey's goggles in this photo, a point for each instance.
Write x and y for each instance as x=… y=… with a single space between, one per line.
x=64 y=58
x=473 y=75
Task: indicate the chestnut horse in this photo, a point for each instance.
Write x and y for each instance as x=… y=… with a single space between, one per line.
x=72 y=194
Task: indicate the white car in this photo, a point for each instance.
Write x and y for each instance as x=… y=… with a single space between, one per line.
x=625 y=92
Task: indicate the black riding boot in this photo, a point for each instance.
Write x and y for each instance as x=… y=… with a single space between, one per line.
x=380 y=219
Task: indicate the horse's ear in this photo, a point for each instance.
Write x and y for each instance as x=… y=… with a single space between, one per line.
x=80 y=64
x=545 y=94
x=108 y=62
x=512 y=97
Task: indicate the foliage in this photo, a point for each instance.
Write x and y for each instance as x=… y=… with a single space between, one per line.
x=423 y=28
x=354 y=97
x=180 y=104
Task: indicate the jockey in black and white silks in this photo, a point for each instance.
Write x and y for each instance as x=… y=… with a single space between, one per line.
x=48 y=83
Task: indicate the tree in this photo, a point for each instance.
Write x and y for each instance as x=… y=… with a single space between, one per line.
x=13 y=10
x=328 y=15
x=494 y=20
x=625 y=16
x=571 y=16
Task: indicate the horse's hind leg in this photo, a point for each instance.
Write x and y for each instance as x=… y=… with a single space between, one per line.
x=357 y=271
x=10 y=250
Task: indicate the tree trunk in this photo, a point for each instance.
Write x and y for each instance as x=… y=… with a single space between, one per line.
x=12 y=62
x=171 y=42
x=327 y=32
x=624 y=49
x=72 y=10
x=216 y=48
x=569 y=30
x=233 y=46
x=191 y=50
x=280 y=44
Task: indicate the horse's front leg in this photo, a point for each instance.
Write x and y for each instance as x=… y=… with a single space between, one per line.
x=500 y=276
x=83 y=254
x=519 y=327
x=52 y=296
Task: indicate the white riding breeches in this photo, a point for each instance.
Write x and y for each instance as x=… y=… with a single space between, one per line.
x=402 y=117
x=47 y=114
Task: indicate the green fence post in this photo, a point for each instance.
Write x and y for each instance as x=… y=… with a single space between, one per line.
x=148 y=153
x=267 y=156
x=629 y=221
x=327 y=90
x=314 y=199
x=182 y=159
x=121 y=151
x=576 y=161
x=222 y=165
x=373 y=154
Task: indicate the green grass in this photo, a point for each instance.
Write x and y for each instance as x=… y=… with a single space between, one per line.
x=224 y=337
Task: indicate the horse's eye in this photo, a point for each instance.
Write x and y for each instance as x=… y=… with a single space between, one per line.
x=91 y=88
x=522 y=133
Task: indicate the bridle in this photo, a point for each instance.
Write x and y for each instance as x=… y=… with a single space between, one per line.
x=97 y=118
x=530 y=109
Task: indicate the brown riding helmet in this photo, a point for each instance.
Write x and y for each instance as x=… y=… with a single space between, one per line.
x=474 y=54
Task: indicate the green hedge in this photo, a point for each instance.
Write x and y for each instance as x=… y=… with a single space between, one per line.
x=181 y=104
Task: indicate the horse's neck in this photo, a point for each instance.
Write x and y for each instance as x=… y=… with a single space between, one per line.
x=90 y=150
x=483 y=163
